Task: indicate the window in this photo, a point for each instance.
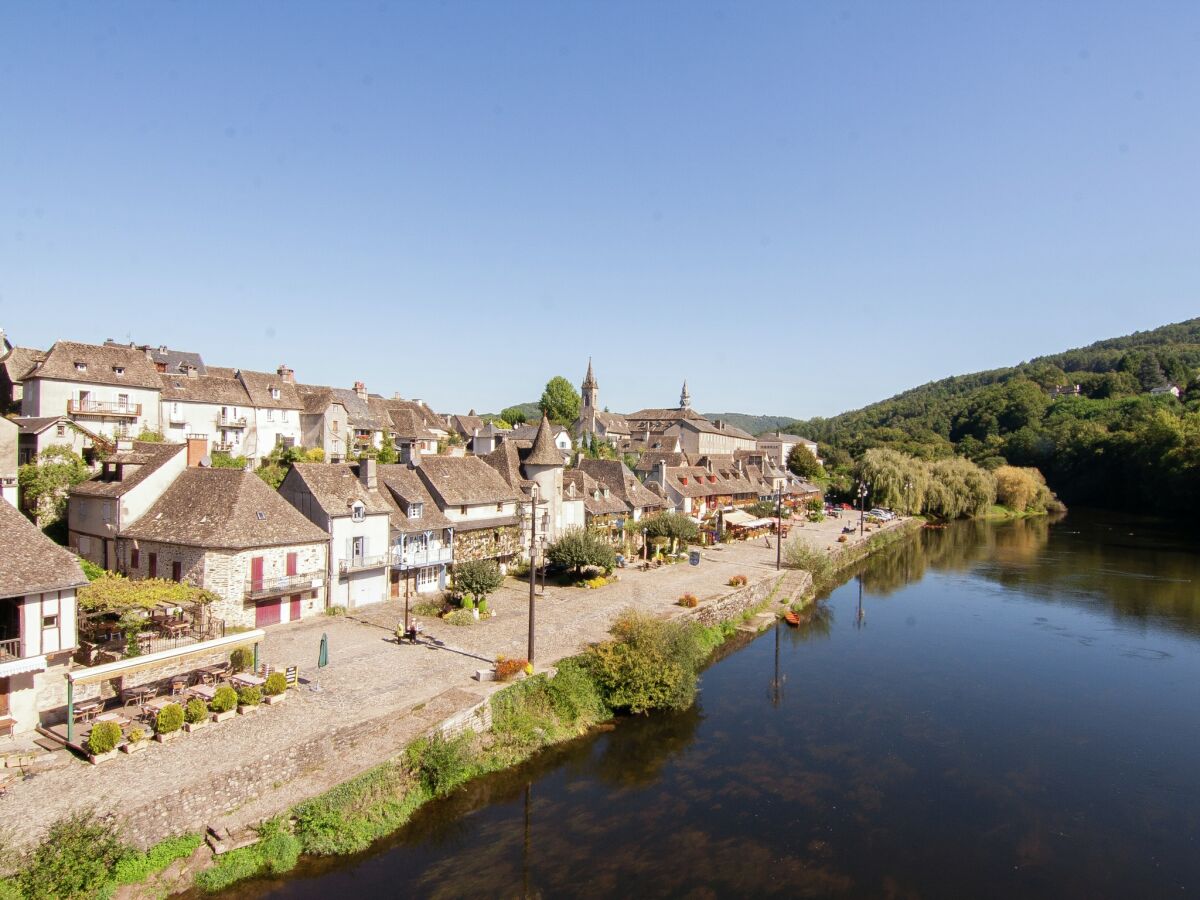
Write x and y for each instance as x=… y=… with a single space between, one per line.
x=135 y=558
x=60 y=430
x=153 y=572
x=416 y=510
x=50 y=621
x=427 y=576
x=358 y=512
x=358 y=547
x=118 y=371
x=499 y=507
x=270 y=415
x=283 y=415
x=80 y=367
x=334 y=426
x=274 y=393
x=123 y=401
x=177 y=571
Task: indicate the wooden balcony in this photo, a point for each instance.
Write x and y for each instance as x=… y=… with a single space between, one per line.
x=101 y=408
x=231 y=421
x=10 y=649
x=262 y=588
x=413 y=558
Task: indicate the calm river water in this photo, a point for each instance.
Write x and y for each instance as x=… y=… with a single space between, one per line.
x=1014 y=712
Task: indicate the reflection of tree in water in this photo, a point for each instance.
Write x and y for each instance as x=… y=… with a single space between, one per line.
x=815 y=622
x=644 y=746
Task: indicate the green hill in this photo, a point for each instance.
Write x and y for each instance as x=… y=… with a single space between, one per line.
x=1113 y=443
x=752 y=424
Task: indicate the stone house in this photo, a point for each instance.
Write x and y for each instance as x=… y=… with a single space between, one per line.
x=478 y=503
x=623 y=484
x=38 y=632
x=15 y=363
x=659 y=420
x=127 y=485
x=604 y=512
x=345 y=502
x=325 y=423
x=226 y=531
x=275 y=410
x=701 y=491
x=437 y=427
x=422 y=550
x=217 y=407
x=114 y=391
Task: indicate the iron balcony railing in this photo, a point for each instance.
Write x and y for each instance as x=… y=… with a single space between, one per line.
x=231 y=421
x=258 y=588
x=102 y=408
x=413 y=558
x=360 y=563
x=10 y=649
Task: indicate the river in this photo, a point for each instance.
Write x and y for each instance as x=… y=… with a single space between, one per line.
x=988 y=711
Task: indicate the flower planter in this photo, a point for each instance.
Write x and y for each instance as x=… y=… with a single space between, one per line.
x=475 y=613
x=168 y=737
x=273 y=699
x=247 y=710
x=96 y=758
x=134 y=746
x=195 y=726
x=222 y=716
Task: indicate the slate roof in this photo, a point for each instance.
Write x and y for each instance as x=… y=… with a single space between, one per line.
x=401 y=486
x=136 y=466
x=592 y=493
x=467 y=425
x=423 y=412
x=31 y=563
x=37 y=424
x=622 y=482
x=650 y=459
x=700 y=483
x=60 y=362
x=463 y=480
x=530 y=432
x=259 y=384
x=19 y=361
x=544 y=452
x=663 y=415
x=204 y=389
x=703 y=425
x=371 y=414
x=407 y=424
x=173 y=361
x=506 y=459
x=316 y=399
x=336 y=488
x=223 y=509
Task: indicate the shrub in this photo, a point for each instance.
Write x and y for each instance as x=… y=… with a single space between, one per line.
x=459 y=617
x=519 y=569
x=738 y=581
x=688 y=600
x=195 y=711
x=352 y=815
x=104 y=738
x=335 y=611
x=249 y=696
x=428 y=608
x=169 y=719
x=479 y=577
x=276 y=684
x=241 y=659
x=137 y=735
x=650 y=664
x=224 y=699
x=799 y=554
x=841 y=539
x=484 y=612
x=468 y=602
x=507 y=667
x=137 y=866
x=577 y=548
x=276 y=852
x=441 y=763
x=593 y=583
x=74 y=859
x=574 y=694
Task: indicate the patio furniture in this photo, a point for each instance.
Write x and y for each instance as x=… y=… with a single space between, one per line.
x=113 y=716
x=174 y=629
x=204 y=691
x=179 y=684
x=245 y=679
x=138 y=695
x=211 y=674
x=86 y=710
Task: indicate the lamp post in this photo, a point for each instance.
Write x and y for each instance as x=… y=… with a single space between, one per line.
x=532 y=564
x=778 y=528
x=645 y=547
x=863 y=489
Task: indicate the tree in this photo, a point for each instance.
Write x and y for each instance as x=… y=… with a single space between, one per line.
x=225 y=461
x=560 y=401
x=387 y=452
x=802 y=462
x=577 y=548
x=45 y=482
x=478 y=577
x=514 y=415
x=676 y=527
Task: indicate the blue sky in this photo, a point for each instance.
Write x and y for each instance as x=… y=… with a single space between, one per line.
x=801 y=207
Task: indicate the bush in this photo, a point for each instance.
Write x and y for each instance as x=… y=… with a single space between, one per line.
x=241 y=659
x=442 y=764
x=459 y=617
x=428 y=608
x=507 y=668
x=352 y=815
x=650 y=664
x=104 y=738
x=479 y=577
x=276 y=852
x=276 y=684
x=137 y=866
x=593 y=583
x=519 y=569
x=484 y=612
x=195 y=711
x=224 y=699
x=688 y=600
x=799 y=554
x=136 y=735
x=249 y=696
x=74 y=860
x=335 y=611
x=738 y=581
x=169 y=719
x=468 y=602
x=577 y=548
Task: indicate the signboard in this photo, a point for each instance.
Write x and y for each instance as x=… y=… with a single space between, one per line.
x=694 y=557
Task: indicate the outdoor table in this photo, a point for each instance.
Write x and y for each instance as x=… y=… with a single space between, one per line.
x=204 y=691
x=137 y=695
x=173 y=629
x=156 y=705
x=86 y=710
x=212 y=673
x=113 y=717
x=247 y=680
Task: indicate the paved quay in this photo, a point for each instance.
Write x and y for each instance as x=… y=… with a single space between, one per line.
x=373 y=698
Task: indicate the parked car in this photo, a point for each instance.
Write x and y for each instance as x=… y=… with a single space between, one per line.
x=882 y=514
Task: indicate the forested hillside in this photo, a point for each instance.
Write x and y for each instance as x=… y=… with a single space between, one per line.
x=750 y=423
x=1113 y=443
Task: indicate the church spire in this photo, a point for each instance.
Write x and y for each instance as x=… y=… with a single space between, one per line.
x=685 y=399
x=589 y=380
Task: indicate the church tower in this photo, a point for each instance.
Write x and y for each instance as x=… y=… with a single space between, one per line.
x=685 y=399
x=590 y=393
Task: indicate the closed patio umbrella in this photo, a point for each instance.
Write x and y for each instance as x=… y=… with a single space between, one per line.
x=323 y=655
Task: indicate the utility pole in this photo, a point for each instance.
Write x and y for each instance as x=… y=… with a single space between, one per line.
x=778 y=528
x=532 y=563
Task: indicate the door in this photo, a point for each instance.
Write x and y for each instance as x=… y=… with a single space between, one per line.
x=256 y=573
x=294 y=608
x=153 y=566
x=292 y=568
x=268 y=612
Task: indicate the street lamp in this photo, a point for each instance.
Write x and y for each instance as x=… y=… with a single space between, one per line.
x=532 y=563
x=864 y=488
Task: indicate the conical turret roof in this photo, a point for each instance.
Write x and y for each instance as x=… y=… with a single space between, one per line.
x=544 y=453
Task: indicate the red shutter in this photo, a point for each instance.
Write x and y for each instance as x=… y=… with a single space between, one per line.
x=153 y=565
x=256 y=573
x=291 y=564
x=294 y=611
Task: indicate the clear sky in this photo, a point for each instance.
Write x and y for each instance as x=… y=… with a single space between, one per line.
x=801 y=207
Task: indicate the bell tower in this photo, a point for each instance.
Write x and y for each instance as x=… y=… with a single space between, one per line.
x=685 y=399
x=590 y=394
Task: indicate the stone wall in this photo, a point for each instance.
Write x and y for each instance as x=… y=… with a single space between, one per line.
x=487 y=543
x=741 y=599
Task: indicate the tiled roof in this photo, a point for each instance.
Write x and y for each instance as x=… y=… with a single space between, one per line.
x=173 y=361
x=480 y=524
x=259 y=384
x=592 y=494
x=401 y=486
x=223 y=509
x=622 y=482
x=544 y=452
x=31 y=563
x=651 y=458
x=426 y=415
x=336 y=488
x=613 y=422
x=136 y=466
x=204 y=389
x=19 y=361
x=101 y=365
x=672 y=414
x=464 y=480
x=406 y=423
x=467 y=425
x=370 y=414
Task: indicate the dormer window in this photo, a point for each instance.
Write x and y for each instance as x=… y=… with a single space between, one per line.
x=274 y=393
x=80 y=367
x=416 y=510
x=358 y=512
x=118 y=371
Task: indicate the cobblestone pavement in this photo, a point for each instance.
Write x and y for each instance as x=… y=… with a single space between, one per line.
x=370 y=675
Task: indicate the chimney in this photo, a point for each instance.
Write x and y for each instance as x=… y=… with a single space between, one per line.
x=683 y=479
x=720 y=423
x=396 y=395
x=418 y=401
x=662 y=472
x=361 y=390
x=149 y=354
x=414 y=456
x=708 y=464
x=367 y=473
x=192 y=372
x=288 y=376
x=197 y=449
x=124 y=444
x=712 y=479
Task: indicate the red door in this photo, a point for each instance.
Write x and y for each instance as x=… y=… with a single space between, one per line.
x=256 y=573
x=291 y=564
x=268 y=613
x=294 y=610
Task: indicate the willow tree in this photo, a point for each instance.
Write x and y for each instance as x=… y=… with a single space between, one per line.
x=898 y=481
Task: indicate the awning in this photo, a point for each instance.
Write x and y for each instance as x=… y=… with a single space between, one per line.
x=738 y=518
x=134 y=664
x=21 y=666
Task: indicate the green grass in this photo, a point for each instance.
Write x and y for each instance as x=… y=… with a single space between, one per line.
x=277 y=851
x=137 y=867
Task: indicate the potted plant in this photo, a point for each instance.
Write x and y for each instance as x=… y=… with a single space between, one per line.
x=275 y=689
x=195 y=715
x=508 y=668
x=223 y=703
x=468 y=603
x=136 y=741
x=102 y=742
x=241 y=659
x=484 y=612
x=168 y=722
x=248 y=699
